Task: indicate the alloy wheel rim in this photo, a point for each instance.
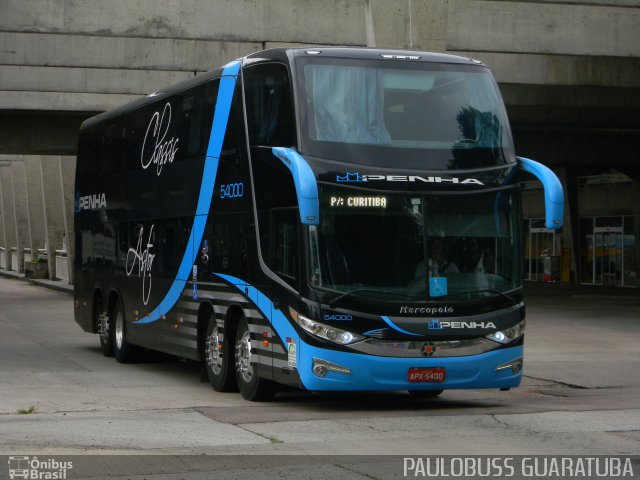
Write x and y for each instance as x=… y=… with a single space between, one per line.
x=243 y=357
x=213 y=351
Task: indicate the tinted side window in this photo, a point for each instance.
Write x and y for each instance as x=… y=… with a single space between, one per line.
x=283 y=243
x=278 y=215
x=269 y=106
x=180 y=123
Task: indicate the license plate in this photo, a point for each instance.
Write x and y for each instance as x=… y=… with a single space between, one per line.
x=427 y=375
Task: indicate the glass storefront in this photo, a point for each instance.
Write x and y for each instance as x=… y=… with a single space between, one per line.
x=539 y=243
x=608 y=251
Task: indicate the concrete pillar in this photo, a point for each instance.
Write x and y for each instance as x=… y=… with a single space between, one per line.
x=20 y=211
x=570 y=237
x=67 y=180
x=53 y=208
x=3 y=242
x=8 y=215
x=35 y=203
x=636 y=224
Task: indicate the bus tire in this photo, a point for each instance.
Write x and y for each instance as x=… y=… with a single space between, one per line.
x=251 y=386
x=425 y=393
x=218 y=359
x=124 y=351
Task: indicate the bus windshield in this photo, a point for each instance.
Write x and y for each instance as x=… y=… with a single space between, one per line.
x=383 y=110
x=375 y=245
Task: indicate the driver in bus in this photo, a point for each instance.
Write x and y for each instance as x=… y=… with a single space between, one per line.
x=438 y=264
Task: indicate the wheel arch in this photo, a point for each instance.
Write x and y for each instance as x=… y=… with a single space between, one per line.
x=205 y=311
x=97 y=298
x=234 y=314
x=115 y=296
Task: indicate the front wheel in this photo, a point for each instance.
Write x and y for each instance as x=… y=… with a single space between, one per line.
x=251 y=386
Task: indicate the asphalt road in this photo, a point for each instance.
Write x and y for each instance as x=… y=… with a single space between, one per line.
x=580 y=395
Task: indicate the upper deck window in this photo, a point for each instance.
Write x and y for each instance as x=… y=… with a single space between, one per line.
x=269 y=106
x=381 y=108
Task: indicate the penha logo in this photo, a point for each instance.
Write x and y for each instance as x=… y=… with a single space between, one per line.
x=96 y=201
x=351 y=178
x=436 y=324
x=357 y=178
x=164 y=149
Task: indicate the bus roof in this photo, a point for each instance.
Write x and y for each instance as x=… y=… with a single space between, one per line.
x=151 y=98
x=284 y=55
x=361 y=53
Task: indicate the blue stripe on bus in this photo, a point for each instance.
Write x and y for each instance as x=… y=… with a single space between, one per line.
x=218 y=129
x=279 y=322
x=388 y=321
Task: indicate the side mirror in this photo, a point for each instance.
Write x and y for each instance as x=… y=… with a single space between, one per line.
x=553 y=193
x=305 y=183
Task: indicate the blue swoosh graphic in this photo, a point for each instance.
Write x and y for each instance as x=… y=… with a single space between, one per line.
x=388 y=321
x=218 y=129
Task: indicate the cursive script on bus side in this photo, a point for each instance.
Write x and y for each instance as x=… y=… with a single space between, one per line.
x=143 y=259
x=164 y=149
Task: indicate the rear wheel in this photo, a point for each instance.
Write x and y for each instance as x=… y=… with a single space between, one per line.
x=425 y=393
x=218 y=357
x=124 y=351
x=251 y=386
x=104 y=326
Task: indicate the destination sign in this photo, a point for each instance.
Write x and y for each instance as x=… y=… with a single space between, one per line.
x=358 y=201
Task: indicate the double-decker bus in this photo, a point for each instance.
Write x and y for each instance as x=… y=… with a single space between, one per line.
x=330 y=219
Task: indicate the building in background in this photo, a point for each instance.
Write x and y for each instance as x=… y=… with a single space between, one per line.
x=569 y=72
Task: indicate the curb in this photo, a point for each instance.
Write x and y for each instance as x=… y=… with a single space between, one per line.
x=51 y=284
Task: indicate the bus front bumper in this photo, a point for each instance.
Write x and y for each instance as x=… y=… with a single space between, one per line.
x=360 y=372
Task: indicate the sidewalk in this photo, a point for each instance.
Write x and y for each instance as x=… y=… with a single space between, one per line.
x=53 y=284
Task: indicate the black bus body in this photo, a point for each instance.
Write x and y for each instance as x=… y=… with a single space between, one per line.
x=329 y=219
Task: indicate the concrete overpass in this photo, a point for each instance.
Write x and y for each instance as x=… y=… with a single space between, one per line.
x=569 y=72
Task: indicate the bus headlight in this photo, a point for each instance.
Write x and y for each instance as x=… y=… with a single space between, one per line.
x=509 y=335
x=326 y=332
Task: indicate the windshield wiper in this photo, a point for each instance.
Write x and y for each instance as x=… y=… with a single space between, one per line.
x=484 y=290
x=371 y=290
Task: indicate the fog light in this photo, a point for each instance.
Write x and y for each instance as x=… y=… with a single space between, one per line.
x=321 y=367
x=320 y=371
x=514 y=365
